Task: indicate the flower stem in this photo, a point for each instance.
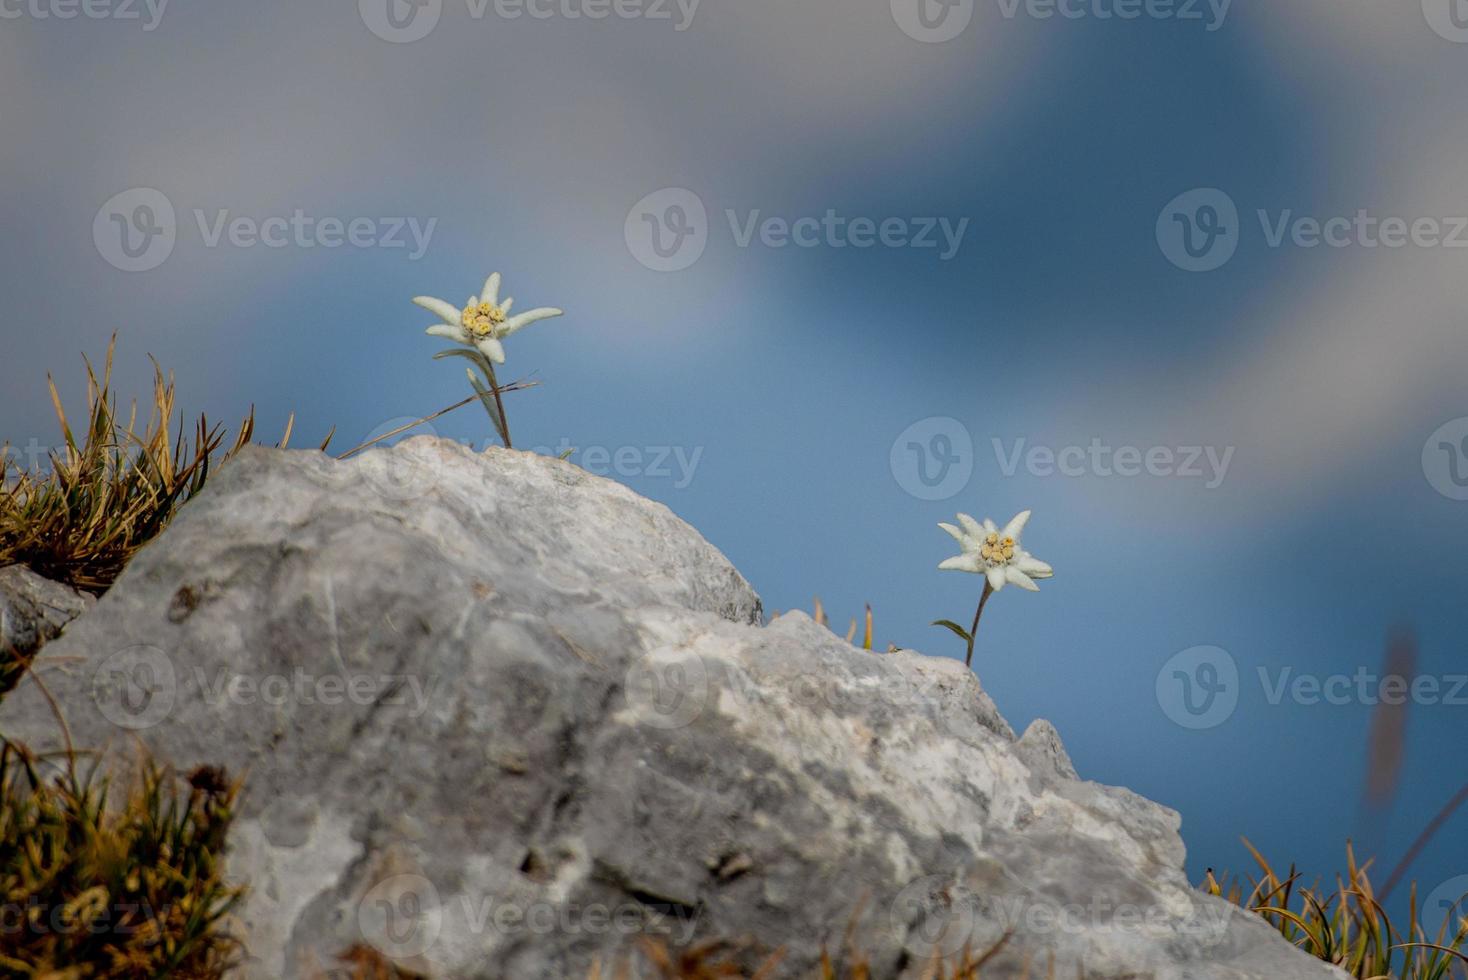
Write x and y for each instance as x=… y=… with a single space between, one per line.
x=494 y=386
x=983 y=600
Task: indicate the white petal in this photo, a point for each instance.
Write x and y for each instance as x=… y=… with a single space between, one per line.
x=996 y=577
x=455 y=333
x=1019 y=578
x=515 y=323
x=961 y=563
x=444 y=311
x=492 y=289
x=505 y=306
x=1033 y=567
x=492 y=349
x=957 y=534
x=1016 y=526
x=990 y=527
x=473 y=301
x=973 y=527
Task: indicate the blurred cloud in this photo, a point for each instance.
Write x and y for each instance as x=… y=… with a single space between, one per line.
x=1352 y=350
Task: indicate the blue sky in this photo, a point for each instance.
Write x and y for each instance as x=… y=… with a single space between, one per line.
x=789 y=371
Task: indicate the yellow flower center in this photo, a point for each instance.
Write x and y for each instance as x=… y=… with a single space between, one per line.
x=481 y=320
x=997 y=551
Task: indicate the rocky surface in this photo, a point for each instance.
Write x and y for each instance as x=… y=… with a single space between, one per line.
x=500 y=718
x=34 y=610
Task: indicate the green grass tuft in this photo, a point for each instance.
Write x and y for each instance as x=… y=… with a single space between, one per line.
x=1347 y=926
x=93 y=887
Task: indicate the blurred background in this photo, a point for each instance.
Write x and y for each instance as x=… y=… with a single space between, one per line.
x=1189 y=279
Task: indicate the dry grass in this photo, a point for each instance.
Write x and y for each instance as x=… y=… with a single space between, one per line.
x=716 y=959
x=111 y=488
x=721 y=959
x=1346 y=924
x=130 y=890
x=818 y=613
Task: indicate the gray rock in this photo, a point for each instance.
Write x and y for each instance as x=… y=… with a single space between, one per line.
x=500 y=718
x=1042 y=750
x=34 y=610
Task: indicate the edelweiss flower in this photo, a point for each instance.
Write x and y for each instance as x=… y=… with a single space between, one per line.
x=483 y=322
x=995 y=554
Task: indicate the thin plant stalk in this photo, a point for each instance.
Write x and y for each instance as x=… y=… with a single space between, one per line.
x=488 y=390
x=968 y=661
x=512 y=386
x=499 y=405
